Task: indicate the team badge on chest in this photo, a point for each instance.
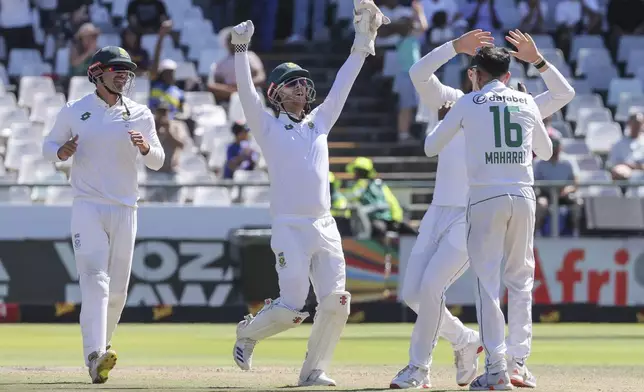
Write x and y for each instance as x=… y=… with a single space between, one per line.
x=281 y=260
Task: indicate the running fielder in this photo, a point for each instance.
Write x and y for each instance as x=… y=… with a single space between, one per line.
x=305 y=237
x=106 y=133
x=439 y=256
x=502 y=127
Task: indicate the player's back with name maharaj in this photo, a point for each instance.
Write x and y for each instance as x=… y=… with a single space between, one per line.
x=499 y=124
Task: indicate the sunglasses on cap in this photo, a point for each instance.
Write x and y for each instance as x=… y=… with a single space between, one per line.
x=296 y=82
x=115 y=68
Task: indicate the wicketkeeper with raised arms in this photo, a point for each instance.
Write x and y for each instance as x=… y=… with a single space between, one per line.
x=305 y=237
x=106 y=133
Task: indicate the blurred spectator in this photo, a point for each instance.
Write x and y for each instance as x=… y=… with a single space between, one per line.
x=625 y=17
x=448 y=7
x=131 y=42
x=83 y=48
x=576 y=17
x=15 y=24
x=47 y=9
x=223 y=13
x=240 y=155
x=408 y=51
x=556 y=169
x=146 y=16
x=301 y=20
x=340 y=207
x=72 y=19
x=162 y=75
x=70 y=6
x=628 y=154
x=375 y=197
x=223 y=81
x=389 y=35
x=445 y=21
x=440 y=31
x=264 y=16
x=482 y=15
x=533 y=14
x=174 y=138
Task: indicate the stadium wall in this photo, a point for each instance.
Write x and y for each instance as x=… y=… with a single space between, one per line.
x=194 y=264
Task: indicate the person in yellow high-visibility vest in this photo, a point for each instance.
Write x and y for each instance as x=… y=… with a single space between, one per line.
x=370 y=191
x=340 y=207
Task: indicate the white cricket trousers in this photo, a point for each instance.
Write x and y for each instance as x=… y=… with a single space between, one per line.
x=307 y=248
x=501 y=230
x=103 y=237
x=438 y=258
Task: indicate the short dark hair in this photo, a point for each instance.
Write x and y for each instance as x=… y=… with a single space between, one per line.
x=493 y=60
x=238 y=128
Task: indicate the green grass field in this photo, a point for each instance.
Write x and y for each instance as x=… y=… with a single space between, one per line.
x=566 y=357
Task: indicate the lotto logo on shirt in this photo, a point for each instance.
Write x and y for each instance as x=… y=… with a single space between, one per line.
x=77 y=241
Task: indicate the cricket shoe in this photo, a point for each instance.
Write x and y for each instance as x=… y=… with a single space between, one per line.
x=100 y=367
x=317 y=377
x=244 y=347
x=520 y=376
x=411 y=377
x=492 y=382
x=466 y=361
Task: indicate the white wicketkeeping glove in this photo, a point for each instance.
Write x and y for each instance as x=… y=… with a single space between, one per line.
x=367 y=20
x=242 y=33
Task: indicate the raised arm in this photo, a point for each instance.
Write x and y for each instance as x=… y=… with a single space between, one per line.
x=366 y=22
x=59 y=134
x=560 y=92
x=329 y=111
x=250 y=100
x=432 y=92
x=445 y=129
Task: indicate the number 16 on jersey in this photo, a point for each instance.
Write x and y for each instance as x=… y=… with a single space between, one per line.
x=506 y=134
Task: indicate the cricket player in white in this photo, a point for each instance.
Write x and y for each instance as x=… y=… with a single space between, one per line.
x=106 y=133
x=502 y=127
x=305 y=237
x=439 y=255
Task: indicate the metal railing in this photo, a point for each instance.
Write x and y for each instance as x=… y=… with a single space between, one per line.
x=554 y=188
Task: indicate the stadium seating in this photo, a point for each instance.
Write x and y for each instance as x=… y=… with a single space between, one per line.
x=607 y=92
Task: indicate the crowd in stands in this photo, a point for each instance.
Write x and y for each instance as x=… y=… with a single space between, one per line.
x=597 y=44
x=186 y=75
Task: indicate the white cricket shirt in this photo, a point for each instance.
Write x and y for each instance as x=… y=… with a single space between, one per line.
x=104 y=166
x=297 y=153
x=502 y=127
x=451 y=177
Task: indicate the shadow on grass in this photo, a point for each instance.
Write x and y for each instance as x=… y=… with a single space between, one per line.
x=357 y=389
x=136 y=388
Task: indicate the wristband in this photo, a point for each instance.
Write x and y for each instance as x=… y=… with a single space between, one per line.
x=241 y=48
x=540 y=64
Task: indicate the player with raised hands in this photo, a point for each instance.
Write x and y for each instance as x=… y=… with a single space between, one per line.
x=305 y=238
x=440 y=254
